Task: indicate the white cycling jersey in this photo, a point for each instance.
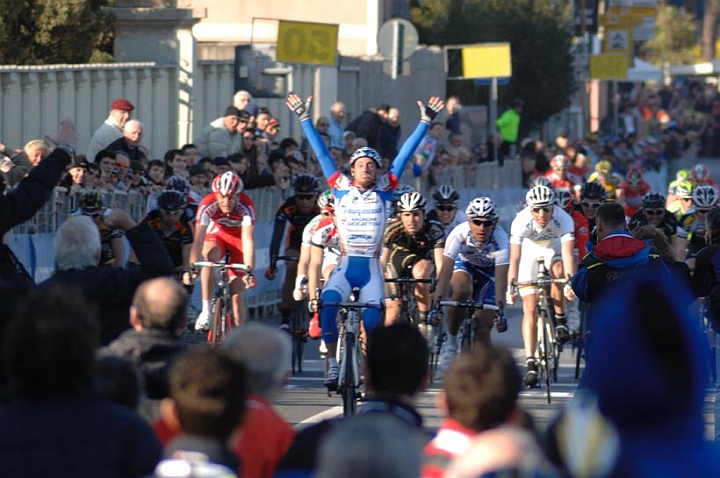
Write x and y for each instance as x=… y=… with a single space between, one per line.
x=560 y=227
x=460 y=245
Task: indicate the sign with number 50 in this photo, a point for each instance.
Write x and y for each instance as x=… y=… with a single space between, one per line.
x=304 y=42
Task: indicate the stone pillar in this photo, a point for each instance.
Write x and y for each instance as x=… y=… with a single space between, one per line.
x=158 y=31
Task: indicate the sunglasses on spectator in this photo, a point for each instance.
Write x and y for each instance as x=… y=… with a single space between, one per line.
x=480 y=222
x=305 y=197
x=541 y=209
x=591 y=204
x=654 y=212
x=445 y=208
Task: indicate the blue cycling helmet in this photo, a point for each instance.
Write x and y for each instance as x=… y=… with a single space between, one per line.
x=366 y=153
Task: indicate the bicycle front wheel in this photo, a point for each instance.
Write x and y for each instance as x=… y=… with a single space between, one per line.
x=298 y=328
x=215 y=332
x=545 y=355
x=349 y=387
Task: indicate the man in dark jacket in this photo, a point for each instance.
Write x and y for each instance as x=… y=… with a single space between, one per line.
x=617 y=256
x=21 y=203
x=111 y=289
x=158 y=315
x=369 y=125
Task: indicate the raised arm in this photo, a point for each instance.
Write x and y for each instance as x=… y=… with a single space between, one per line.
x=302 y=110
x=427 y=114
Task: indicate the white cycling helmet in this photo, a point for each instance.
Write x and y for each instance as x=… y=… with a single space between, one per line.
x=411 y=202
x=540 y=196
x=366 y=153
x=704 y=197
x=481 y=207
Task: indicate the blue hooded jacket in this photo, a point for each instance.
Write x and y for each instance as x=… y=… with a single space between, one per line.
x=648 y=369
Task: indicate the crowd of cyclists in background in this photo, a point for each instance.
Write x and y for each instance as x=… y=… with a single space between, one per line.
x=368 y=226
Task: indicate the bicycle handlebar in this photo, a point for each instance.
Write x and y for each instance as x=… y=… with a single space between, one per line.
x=287 y=258
x=542 y=282
x=350 y=305
x=468 y=304
x=408 y=280
x=222 y=265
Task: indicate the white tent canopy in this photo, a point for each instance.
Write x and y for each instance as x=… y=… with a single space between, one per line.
x=644 y=71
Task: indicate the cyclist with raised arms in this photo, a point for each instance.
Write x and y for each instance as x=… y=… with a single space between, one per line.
x=541 y=229
x=476 y=260
x=362 y=202
x=298 y=210
x=446 y=210
x=413 y=248
x=225 y=222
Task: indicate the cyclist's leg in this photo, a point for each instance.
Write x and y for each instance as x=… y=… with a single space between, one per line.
x=212 y=250
x=461 y=286
x=393 y=303
x=529 y=333
x=337 y=288
x=422 y=269
x=366 y=274
x=287 y=301
x=484 y=319
x=237 y=293
x=562 y=334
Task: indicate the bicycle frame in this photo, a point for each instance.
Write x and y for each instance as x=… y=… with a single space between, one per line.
x=299 y=321
x=467 y=328
x=408 y=309
x=349 y=350
x=547 y=352
x=221 y=310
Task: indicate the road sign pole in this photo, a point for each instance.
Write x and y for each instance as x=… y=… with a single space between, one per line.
x=493 y=114
x=396 y=59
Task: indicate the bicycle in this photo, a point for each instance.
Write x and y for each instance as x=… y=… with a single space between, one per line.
x=221 y=306
x=548 y=350
x=299 y=323
x=349 y=350
x=409 y=309
x=437 y=333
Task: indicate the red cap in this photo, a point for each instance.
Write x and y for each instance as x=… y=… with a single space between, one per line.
x=273 y=122
x=122 y=104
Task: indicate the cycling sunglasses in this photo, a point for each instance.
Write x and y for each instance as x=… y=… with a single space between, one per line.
x=654 y=212
x=480 y=222
x=541 y=209
x=445 y=208
x=593 y=205
x=305 y=197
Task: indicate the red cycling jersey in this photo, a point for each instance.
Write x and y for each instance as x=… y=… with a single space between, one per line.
x=582 y=232
x=224 y=229
x=242 y=215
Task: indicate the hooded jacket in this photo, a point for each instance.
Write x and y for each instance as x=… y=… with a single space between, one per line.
x=618 y=257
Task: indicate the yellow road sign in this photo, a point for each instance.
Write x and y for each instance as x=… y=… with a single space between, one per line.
x=491 y=60
x=608 y=67
x=305 y=42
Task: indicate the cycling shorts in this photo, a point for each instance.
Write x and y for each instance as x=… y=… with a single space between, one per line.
x=399 y=265
x=227 y=240
x=483 y=281
x=528 y=262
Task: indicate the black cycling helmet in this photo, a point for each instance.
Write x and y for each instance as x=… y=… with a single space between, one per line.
x=593 y=190
x=91 y=202
x=445 y=194
x=653 y=201
x=305 y=184
x=171 y=201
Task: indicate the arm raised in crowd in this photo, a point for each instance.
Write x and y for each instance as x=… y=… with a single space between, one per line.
x=21 y=203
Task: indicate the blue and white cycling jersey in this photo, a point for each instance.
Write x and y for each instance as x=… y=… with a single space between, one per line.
x=494 y=252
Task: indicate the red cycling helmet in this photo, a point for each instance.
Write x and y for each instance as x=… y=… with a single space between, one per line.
x=227 y=183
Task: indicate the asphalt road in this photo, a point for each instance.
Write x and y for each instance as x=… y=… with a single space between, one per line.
x=305 y=401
